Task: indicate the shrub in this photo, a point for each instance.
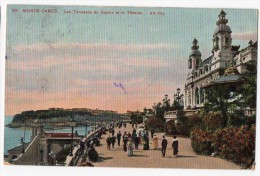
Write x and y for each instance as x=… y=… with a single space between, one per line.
x=195 y=122
x=201 y=141
x=170 y=127
x=183 y=129
x=236 y=144
x=136 y=119
x=155 y=123
x=214 y=120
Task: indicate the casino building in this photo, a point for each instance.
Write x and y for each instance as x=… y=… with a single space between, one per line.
x=225 y=64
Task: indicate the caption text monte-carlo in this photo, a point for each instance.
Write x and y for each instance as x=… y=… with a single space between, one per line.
x=104 y=12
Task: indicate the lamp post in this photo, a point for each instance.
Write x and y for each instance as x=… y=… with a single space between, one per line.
x=95 y=124
x=178 y=97
x=22 y=142
x=86 y=123
x=166 y=102
x=72 y=125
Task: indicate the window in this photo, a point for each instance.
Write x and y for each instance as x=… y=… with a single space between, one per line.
x=206 y=68
x=197 y=96
x=202 y=95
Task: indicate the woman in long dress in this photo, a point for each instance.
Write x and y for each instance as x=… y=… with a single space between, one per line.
x=155 y=142
x=130 y=147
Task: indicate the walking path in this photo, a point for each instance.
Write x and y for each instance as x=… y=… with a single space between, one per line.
x=187 y=159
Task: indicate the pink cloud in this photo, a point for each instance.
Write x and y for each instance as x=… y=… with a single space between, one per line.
x=245 y=36
x=144 y=62
x=94 y=46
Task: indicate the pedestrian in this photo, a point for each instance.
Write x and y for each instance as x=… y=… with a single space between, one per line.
x=113 y=141
x=129 y=135
x=145 y=143
x=118 y=137
x=125 y=124
x=82 y=146
x=152 y=132
x=142 y=137
x=129 y=147
x=135 y=125
x=175 y=145
x=113 y=125
x=113 y=132
x=164 y=146
x=133 y=135
x=92 y=154
x=108 y=140
x=146 y=133
x=125 y=139
x=134 y=131
x=136 y=140
x=155 y=142
x=132 y=124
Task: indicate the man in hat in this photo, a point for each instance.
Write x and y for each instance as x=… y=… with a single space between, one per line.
x=125 y=139
x=164 y=146
x=118 y=137
x=175 y=145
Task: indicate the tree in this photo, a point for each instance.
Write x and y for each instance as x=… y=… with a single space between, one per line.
x=219 y=98
x=136 y=118
x=175 y=105
x=247 y=90
x=166 y=103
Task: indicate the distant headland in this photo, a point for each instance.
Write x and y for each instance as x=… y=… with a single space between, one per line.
x=59 y=117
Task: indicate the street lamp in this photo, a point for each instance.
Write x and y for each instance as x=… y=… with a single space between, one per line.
x=72 y=125
x=22 y=142
x=86 y=123
x=178 y=96
x=166 y=102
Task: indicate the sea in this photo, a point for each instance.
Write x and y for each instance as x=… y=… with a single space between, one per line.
x=12 y=136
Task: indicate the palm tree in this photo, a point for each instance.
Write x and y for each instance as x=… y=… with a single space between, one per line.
x=166 y=103
x=219 y=98
x=247 y=91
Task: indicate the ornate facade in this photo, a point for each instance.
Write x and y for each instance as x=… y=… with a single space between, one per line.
x=224 y=55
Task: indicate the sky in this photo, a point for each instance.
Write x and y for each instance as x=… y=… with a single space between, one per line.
x=107 y=61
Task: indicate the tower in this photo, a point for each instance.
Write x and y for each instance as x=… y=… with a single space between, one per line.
x=222 y=41
x=195 y=56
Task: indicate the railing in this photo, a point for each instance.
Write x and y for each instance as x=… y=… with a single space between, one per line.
x=72 y=160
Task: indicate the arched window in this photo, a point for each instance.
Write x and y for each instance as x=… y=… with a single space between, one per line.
x=206 y=68
x=201 y=72
x=197 y=99
x=190 y=63
x=202 y=94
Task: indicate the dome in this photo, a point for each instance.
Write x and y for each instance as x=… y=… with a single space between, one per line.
x=222 y=28
x=231 y=71
x=195 y=53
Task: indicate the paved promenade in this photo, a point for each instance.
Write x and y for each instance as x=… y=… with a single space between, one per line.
x=187 y=159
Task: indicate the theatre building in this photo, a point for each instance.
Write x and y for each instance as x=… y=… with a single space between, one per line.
x=225 y=65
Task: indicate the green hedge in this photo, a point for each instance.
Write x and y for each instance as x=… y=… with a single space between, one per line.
x=236 y=144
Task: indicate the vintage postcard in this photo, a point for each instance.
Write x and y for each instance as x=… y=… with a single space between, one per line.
x=130 y=87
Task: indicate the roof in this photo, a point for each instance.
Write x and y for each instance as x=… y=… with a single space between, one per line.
x=61 y=135
x=206 y=61
x=228 y=78
x=19 y=148
x=195 y=53
x=222 y=28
